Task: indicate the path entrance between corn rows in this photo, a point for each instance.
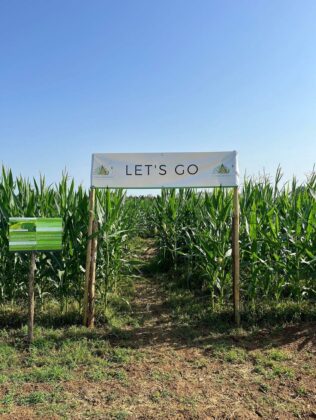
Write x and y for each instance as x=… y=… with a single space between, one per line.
x=184 y=369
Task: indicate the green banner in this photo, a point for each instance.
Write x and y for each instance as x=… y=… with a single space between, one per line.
x=35 y=234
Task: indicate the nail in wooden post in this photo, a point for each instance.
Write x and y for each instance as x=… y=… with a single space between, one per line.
x=31 y=298
x=88 y=257
x=235 y=254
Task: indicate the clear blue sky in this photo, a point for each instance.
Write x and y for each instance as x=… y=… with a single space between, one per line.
x=78 y=77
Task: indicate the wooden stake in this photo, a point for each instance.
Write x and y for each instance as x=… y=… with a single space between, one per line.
x=31 y=298
x=235 y=254
x=91 y=286
x=88 y=258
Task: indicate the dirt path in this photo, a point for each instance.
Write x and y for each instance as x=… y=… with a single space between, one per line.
x=190 y=372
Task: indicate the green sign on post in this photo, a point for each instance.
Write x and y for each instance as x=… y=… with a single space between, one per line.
x=35 y=234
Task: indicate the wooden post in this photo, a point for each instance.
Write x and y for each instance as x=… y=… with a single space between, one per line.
x=31 y=298
x=235 y=254
x=91 y=285
x=88 y=257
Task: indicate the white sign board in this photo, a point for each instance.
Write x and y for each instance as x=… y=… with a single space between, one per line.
x=164 y=170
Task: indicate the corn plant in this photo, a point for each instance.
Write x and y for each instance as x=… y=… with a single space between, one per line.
x=113 y=233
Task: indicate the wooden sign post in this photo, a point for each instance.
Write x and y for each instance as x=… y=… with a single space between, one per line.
x=32 y=234
x=89 y=293
x=235 y=255
x=31 y=297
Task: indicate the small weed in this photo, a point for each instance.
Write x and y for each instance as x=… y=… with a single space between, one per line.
x=157 y=395
x=3 y=379
x=8 y=399
x=268 y=364
x=75 y=353
x=189 y=400
x=200 y=363
x=277 y=355
x=301 y=391
x=161 y=376
x=96 y=374
x=47 y=374
x=261 y=370
x=33 y=398
x=119 y=415
x=39 y=397
x=60 y=409
x=43 y=343
x=282 y=371
x=260 y=360
x=236 y=356
x=308 y=369
x=118 y=374
x=8 y=356
x=41 y=374
x=120 y=355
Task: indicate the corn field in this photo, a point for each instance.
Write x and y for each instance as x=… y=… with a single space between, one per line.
x=192 y=230
x=60 y=275
x=277 y=240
